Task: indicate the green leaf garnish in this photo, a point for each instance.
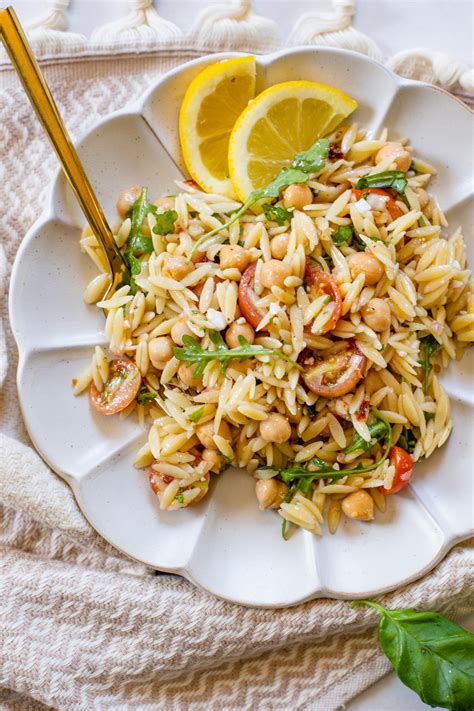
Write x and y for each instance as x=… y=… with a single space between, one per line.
x=394 y=179
x=303 y=164
x=303 y=478
x=137 y=243
x=343 y=234
x=165 y=222
x=277 y=214
x=430 y=654
x=378 y=431
x=429 y=345
x=196 y=415
x=192 y=352
x=407 y=440
x=180 y=498
x=145 y=396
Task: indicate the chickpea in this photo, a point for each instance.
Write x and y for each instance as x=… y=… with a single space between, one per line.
x=185 y=373
x=274 y=273
x=160 y=350
x=270 y=493
x=297 y=196
x=275 y=428
x=166 y=202
x=180 y=329
x=233 y=256
x=176 y=266
x=214 y=458
x=126 y=199
x=279 y=245
x=423 y=197
x=237 y=329
x=397 y=153
x=367 y=264
x=359 y=505
x=376 y=314
x=205 y=433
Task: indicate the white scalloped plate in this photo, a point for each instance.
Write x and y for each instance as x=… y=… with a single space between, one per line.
x=225 y=544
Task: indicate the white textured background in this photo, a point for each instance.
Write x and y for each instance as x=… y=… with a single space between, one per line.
x=440 y=25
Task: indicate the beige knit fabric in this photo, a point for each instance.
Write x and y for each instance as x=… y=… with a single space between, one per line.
x=82 y=627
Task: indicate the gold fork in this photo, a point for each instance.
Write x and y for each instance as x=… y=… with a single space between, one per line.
x=38 y=92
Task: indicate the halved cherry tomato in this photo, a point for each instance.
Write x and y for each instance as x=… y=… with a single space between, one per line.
x=247 y=297
x=318 y=282
x=392 y=207
x=333 y=375
x=403 y=464
x=119 y=390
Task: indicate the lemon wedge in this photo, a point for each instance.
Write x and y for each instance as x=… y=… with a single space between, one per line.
x=213 y=101
x=279 y=122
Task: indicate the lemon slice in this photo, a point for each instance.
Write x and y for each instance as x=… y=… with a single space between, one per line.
x=212 y=103
x=279 y=122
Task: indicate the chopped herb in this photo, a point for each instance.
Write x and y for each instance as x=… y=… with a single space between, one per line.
x=429 y=345
x=394 y=179
x=191 y=352
x=428 y=416
x=303 y=164
x=277 y=214
x=343 y=234
x=165 y=222
x=145 y=396
x=241 y=243
x=378 y=431
x=180 y=498
x=137 y=243
x=407 y=440
x=196 y=415
x=430 y=654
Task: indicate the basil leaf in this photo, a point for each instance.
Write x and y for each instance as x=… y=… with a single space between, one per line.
x=304 y=163
x=343 y=234
x=277 y=214
x=430 y=654
x=165 y=222
x=394 y=179
x=429 y=345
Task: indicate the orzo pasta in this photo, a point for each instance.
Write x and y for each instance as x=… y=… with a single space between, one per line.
x=302 y=343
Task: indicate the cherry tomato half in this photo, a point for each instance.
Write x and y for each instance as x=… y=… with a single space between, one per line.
x=392 y=207
x=119 y=390
x=403 y=464
x=318 y=282
x=336 y=374
x=247 y=297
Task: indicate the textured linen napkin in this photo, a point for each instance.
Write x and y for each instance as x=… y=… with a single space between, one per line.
x=83 y=627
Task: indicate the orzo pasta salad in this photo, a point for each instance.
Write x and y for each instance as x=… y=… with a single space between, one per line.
x=299 y=336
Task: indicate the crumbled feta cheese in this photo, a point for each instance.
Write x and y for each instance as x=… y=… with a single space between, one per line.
x=216 y=320
x=363 y=206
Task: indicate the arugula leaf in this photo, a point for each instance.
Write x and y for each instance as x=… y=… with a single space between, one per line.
x=429 y=345
x=192 y=352
x=303 y=164
x=293 y=475
x=430 y=654
x=145 y=395
x=394 y=179
x=407 y=440
x=137 y=242
x=343 y=234
x=277 y=214
x=196 y=415
x=165 y=222
x=378 y=431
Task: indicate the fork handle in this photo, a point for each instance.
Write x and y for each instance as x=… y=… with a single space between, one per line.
x=38 y=92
